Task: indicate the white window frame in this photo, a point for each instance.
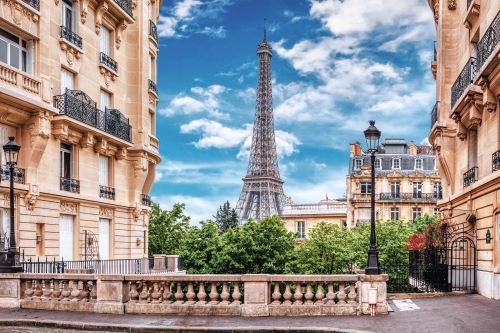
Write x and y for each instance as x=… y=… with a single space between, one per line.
x=25 y=52
x=421 y=164
x=63 y=151
x=105 y=100
x=356 y=161
x=67 y=80
x=300 y=227
x=104 y=171
x=152 y=125
x=394 y=162
x=366 y=185
x=436 y=211
x=394 y=213
x=104 y=238
x=66 y=238
x=64 y=6
x=378 y=163
x=416 y=212
x=417 y=189
x=105 y=40
x=396 y=189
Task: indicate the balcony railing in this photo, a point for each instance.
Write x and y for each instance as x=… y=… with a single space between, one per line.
x=495 y=160
x=78 y=105
x=463 y=80
x=146 y=200
x=469 y=2
x=435 y=52
x=470 y=176
x=71 y=37
x=107 y=61
x=361 y=196
x=363 y=221
x=153 y=87
x=19 y=174
x=106 y=192
x=153 y=31
x=126 y=5
x=434 y=114
x=70 y=185
x=408 y=196
x=33 y=3
x=488 y=42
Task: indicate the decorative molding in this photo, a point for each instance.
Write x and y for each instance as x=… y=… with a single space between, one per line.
x=121 y=153
x=452 y=4
x=69 y=207
x=18 y=11
x=31 y=197
x=40 y=127
x=106 y=212
x=121 y=26
x=101 y=146
x=436 y=11
x=109 y=75
x=87 y=140
x=60 y=130
x=72 y=52
x=461 y=131
x=140 y=165
x=84 y=5
x=101 y=8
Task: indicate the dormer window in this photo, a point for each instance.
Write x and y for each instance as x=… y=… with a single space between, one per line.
x=377 y=163
x=357 y=164
x=396 y=163
x=418 y=164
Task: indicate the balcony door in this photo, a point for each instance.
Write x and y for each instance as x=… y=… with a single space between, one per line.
x=66 y=161
x=417 y=190
x=105 y=40
x=395 y=189
x=104 y=239
x=67 y=15
x=66 y=225
x=67 y=80
x=103 y=170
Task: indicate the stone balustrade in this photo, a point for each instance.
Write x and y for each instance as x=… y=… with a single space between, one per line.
x=20 y=79
x=185 y=294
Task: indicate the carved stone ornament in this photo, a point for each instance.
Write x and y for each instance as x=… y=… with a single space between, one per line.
x=40 y=127
x=106 y=212
x=461 y=131
x=452 y=4
x=60 y=131
x=121 y=153
x=84 y=5
x=99 y=13
x=119 y=31
x=109 y=76
x=87 y=140
x=31 y=197
x=140 y=165
x=68 y=207
x=71 y=52
x=19 y=11
x=101 y=146
x=436 y=11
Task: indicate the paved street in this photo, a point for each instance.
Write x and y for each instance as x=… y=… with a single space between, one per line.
x=450 y=314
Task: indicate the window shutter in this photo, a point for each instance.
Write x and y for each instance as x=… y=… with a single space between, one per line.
x=103 y=239
x=103 y=170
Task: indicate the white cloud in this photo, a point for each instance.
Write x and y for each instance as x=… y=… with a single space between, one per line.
x=219 y=32
x=198 y=208
x=312 y=190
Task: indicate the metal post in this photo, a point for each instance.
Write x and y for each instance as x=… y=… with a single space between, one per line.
x=373 y=267
x=12 y=231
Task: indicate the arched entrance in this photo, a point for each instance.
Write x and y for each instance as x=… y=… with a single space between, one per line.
x=462 y=264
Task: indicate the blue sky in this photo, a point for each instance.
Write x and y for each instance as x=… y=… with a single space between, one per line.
x=336 y=65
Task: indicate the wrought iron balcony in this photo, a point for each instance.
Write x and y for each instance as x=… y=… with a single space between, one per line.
x=408 y=196
x=153 y=31
x=495 y=160
x=488 y=42
x=463 y=80
x=78 y=105
x=126 y=5
x=470 y=176
x=435 y=52
x=70 y=185
x=106 y=192
x=153 y=87
x=107 y=61
x=146 y=200
x=71 y=37
x=19 y=174
x=363 y=221
x=434 y=114
x=33 y=3
x=469 y=2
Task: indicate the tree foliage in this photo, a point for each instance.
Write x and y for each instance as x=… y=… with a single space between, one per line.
x=226 y=218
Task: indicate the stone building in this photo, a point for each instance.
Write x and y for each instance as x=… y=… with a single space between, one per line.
x=301 y=218
x=78 y=92
x=465 y=133
x=407 y=184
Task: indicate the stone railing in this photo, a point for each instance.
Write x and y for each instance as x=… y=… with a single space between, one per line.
x=20 y=79
x=237 y=295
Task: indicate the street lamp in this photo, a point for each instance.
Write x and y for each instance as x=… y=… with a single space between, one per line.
x=372 y=135
x=9 y=261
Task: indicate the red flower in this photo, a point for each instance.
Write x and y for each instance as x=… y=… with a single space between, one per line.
x=416 y=242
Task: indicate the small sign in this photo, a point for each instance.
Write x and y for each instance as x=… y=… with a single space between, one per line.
x=488 y=236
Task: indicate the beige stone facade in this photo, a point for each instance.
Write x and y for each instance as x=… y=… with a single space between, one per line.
x=78 y=91
x=407 y=183
x=465 y=130
x=301 y=218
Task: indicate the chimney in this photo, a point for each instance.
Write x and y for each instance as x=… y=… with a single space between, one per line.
x=355 y=149
x=413 y=148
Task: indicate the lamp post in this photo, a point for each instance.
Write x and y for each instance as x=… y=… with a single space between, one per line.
x=9 y=262
x=372 y=136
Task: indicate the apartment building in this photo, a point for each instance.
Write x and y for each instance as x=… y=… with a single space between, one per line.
x=78 y=92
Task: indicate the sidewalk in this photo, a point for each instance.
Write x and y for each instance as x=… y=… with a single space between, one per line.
x=449 y=314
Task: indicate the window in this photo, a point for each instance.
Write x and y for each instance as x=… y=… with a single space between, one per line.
x=67 y=15
x=16 y=52
x=436 y=211
x=105 y=40
x=5 y=132
x=357 y=164
x=395 y=189
x=104 y=239
x=438 y=190
x=67 y=80
x=5 y=226
x=152 y=69
x=472 y=148
x=377 y=163
x=105 y=100
x=152 y=123
x=66 y=160
x=418 y=164
x=300 y=227
x=366 y=187
x=396 y=163
x=416 y=213
x=103 y=170
x=417 y=190
x=66 y=237
x=394 y=213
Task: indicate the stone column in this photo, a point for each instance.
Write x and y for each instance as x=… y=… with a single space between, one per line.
x=159 y=262
x=10 y=290
x=112 y=293
x=373 y=281
x=256 y=299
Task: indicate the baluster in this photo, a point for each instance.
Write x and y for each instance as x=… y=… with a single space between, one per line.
x=320 y=295
x=84 y=292
x=276 y=294
x=38 y=290
x=214 y=294
x=330 y=295
x=202 y=294
x=341 y=293
x=156 y=294
x=74 y=291
x=30 y=289
x=224 y=295
x=65 y=290
x=287 y=295
x=297 y=296
x=190 y=294
x=144 y=294
x=236 y=294
x=179 y=294
x=167 y=293
x=92 y=291
x=56 y=293
x=309 y=294
x=133 y=293
x=352 y=293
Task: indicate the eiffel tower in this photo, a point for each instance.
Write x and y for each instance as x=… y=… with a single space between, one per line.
x=262 y=194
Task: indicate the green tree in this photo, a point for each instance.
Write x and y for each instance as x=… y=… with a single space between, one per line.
x=167 y=229
x=199 y=248
x=226 y=218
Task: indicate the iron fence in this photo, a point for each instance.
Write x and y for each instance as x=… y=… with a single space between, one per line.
x=19 y=174
x=464 y=79
x=106 y=192
x=107 y=61
x=470 y=176
x=495 y=160
x=488 y=42
x=71 y=37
